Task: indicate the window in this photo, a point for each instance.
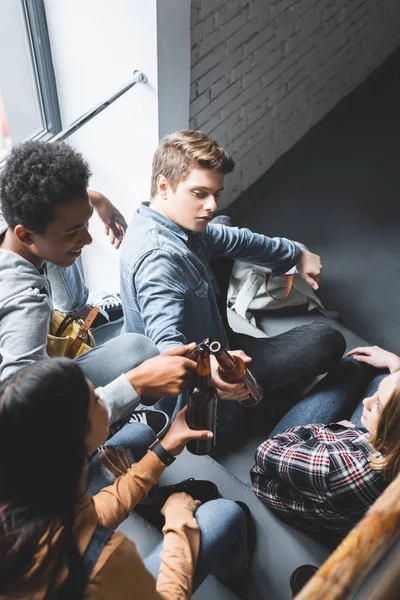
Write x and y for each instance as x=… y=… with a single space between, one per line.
x=28 y=97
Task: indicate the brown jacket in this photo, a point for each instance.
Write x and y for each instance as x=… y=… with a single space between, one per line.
x=120 y=573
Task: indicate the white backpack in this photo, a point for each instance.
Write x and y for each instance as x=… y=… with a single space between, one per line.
x=252 y=289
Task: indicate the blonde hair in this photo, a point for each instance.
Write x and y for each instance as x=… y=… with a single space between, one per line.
x=177 y=154
x=386 y=439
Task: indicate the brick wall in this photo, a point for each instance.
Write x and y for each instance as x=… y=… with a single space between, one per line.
x=265 y=71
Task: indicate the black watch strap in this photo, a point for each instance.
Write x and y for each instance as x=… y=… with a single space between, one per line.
x=163 y=454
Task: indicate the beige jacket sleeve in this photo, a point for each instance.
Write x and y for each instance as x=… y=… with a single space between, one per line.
x=179 y=554
x=181 y=535
x=114 y=503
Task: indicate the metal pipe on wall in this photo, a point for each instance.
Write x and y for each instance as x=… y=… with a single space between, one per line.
x=139 y=77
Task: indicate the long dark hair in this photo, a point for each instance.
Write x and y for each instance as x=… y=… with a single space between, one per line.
x=43 y=425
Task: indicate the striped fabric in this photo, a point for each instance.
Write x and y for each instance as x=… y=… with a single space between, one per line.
x=318 y=478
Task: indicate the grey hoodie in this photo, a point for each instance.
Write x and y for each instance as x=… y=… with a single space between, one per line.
x=26 y=309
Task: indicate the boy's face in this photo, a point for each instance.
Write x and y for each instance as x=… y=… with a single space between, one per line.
x=194 y=202
x=66 y=235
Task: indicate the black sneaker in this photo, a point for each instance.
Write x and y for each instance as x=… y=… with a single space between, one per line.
x=101 y=319
x=197 y=488
x=157 y=420
x=112 y=306
x=300 y=577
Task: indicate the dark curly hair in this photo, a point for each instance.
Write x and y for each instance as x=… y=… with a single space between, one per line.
x=37 y=178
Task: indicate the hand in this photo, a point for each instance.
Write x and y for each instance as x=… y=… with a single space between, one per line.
x=179 y=434
x=180 y=499
x=310 y=267
x=377 y=357
x=115 y=224
x=346 y=423
x=163 y=375
x=229 y=391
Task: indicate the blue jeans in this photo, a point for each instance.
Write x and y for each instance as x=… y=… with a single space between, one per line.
x=223 y=542
x=68 y=287
x=105 y=363
x=134 y=439
x=336 y=397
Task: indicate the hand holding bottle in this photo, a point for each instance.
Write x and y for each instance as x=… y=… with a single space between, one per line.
x=229 y=391
x=180 y=434
x=164 y=375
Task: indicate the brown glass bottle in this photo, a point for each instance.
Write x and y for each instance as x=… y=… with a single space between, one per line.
x=202 y=404
x=232 y=369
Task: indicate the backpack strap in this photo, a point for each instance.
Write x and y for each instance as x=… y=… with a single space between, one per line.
x=82 y=333
x=99 y=539
x=289 y=284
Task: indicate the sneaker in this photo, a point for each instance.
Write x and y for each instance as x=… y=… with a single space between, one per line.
x=197 y=488
x=300 y=577
x=112 y=306
x=101 y=319
x=157 y=420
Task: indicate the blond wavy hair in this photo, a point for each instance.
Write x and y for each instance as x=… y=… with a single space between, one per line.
x=387 y=437
x=177 y=154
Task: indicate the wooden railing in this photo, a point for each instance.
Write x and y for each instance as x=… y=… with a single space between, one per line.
x=341 y=574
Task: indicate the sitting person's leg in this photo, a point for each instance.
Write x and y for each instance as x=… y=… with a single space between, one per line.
x=104 y=467
x=223 y=542
x=105 y=363
x=332 y=399
x=294 y=356
x=68 y=287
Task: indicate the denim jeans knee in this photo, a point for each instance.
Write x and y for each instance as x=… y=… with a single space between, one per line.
x=134 y=439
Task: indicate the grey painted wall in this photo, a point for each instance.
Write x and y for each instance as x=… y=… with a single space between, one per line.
x=338 y=191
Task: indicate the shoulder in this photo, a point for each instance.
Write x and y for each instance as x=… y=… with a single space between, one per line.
x=147 y=244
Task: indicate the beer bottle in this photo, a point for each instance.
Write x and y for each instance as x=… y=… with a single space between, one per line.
x=193 y=353
x=202 y=404
x=232 y=369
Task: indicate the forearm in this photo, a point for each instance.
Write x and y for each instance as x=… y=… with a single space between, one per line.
x=95 y=197
x=70 y=293
x=277 y=253
x=120 y=397
x=179 y=555
x=394 y=363
x=114 y=503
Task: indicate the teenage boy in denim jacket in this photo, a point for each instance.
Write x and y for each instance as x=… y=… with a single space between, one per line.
x=168 y=288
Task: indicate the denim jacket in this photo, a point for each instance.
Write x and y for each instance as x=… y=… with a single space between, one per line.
x=168 y=290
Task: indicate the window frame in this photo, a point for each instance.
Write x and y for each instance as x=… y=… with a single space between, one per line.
x=39 y=43
x=39 y=40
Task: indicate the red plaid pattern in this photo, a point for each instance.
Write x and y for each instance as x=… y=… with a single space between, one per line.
x=318 y=478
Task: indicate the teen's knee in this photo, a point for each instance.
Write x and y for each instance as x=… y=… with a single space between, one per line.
x=223 y=513
x=329 y=343
x=135 y=345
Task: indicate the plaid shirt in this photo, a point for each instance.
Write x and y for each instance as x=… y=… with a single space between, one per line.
x=318 y=478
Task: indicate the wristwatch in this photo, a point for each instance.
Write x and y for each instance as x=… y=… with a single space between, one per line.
x=166 y=457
